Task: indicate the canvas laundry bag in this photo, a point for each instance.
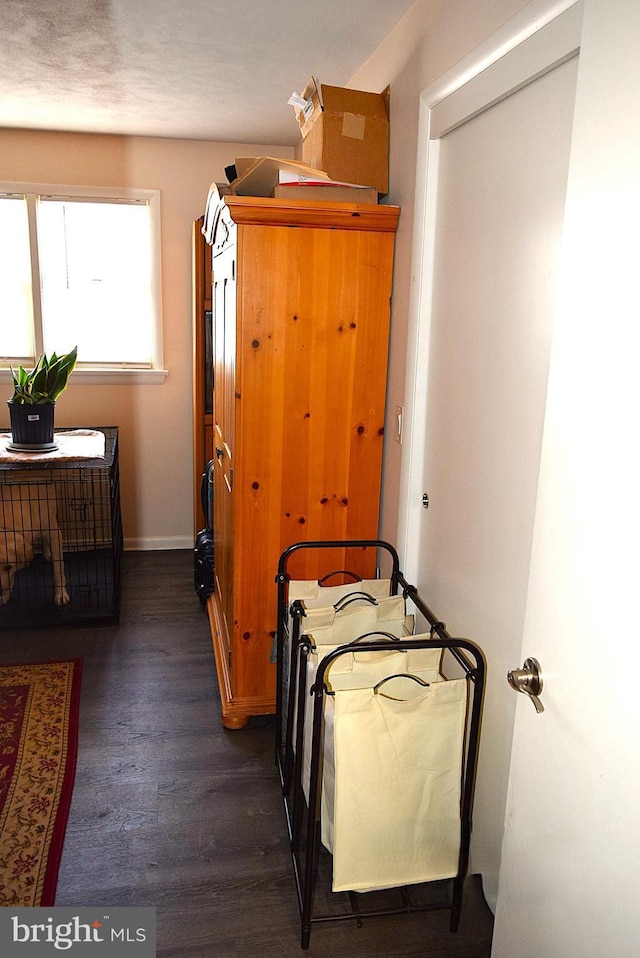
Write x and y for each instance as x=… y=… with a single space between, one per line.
x=333 y=627
x=397 y=791
x=354 y=616
x=358 y=669
x=364 y=670
x=314 y=595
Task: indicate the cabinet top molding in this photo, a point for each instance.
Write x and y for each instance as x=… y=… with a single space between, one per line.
x=260 y=211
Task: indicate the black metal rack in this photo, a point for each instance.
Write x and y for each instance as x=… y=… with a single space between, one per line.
x=302 y=806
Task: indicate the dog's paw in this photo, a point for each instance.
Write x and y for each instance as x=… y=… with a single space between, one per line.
x=62 y=597
x=4 y=597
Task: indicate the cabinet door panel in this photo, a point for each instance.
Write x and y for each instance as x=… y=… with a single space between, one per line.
x=224 y=295
x=312 y=358
x=311 y=380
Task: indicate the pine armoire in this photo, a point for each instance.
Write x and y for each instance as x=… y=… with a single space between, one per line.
x=301 y=300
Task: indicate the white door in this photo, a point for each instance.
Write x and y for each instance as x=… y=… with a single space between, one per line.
x=498 y=211
x=570 y=870
x=570 y=873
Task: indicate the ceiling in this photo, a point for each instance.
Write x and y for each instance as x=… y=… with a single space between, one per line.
x=195 y=69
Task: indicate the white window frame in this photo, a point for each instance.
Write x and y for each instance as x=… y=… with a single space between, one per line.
x=91 y=373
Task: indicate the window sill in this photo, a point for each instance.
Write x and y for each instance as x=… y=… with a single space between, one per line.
x=109 y=377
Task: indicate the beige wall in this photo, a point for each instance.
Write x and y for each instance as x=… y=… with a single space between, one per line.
x=154 y=421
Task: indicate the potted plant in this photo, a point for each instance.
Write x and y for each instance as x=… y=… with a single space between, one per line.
x=34 y=397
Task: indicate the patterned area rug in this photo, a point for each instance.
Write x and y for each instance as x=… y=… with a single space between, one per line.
x=39 y=705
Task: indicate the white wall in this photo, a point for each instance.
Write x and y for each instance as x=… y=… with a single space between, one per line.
x=432 y=37
x=155 y=422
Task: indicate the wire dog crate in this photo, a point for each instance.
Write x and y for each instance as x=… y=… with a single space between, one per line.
x=61 y=539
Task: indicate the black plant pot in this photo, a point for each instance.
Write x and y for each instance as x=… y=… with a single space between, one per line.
x=32 y=426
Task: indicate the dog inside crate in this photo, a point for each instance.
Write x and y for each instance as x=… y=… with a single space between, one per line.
x=68 y=507
x=29 y=525
x=74 y=504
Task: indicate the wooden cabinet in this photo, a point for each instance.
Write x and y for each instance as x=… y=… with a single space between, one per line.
x=301 y=309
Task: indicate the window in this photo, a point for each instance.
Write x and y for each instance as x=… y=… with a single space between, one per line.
x=81 y=267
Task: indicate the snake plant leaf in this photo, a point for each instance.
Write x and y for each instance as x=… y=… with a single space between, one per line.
x=46 y=381
x=38 y=382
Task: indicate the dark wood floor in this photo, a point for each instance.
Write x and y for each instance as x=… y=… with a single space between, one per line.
x=170 y=810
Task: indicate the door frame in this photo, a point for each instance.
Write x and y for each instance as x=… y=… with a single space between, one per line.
x=456 y=97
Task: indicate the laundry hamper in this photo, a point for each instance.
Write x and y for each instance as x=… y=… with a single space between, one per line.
x=343 y=797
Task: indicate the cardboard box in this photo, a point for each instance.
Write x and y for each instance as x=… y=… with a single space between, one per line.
x=259 y=175
x=329 y=194
x=346 y=134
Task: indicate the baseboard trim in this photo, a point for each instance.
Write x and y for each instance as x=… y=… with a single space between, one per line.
x=157 y=544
